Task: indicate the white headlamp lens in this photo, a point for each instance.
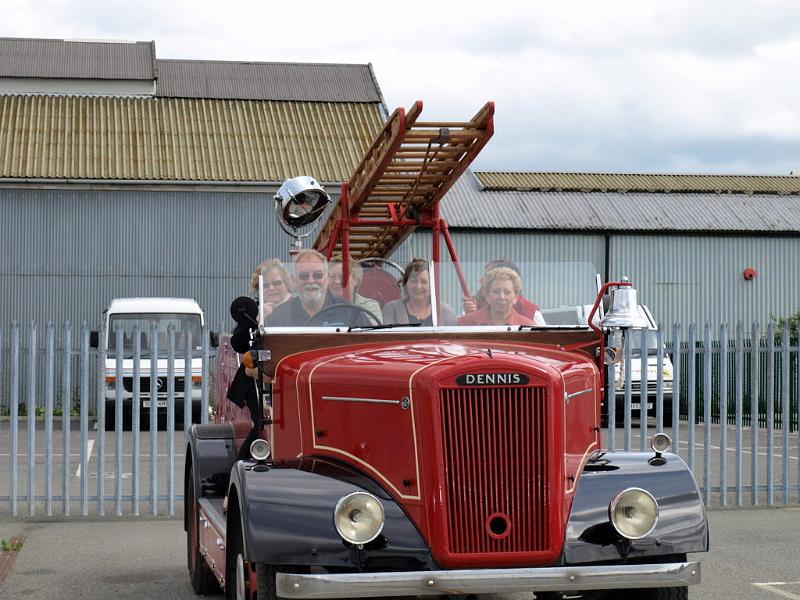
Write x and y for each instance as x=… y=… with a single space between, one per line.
x=359 y=517
x=633 y=513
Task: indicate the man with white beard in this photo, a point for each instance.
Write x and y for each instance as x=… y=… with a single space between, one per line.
x=311 y=286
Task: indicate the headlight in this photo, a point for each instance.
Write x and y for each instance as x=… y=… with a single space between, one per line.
x=358 y=517
x=633 y=513
x=260 y=449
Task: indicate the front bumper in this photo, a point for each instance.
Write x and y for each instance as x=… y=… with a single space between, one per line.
x=487 y=581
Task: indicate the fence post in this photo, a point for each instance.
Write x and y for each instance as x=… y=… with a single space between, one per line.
x=739 y=350
x=644 y=392
x=785 y=400
x=628 y=386
x=754 y=358
x=31 y=417
x=188 y=387
x=48 y=419
x=676 y=386
x=205 y=376
x=85 y=419
x=101 y=419
x=708 y=362
x=14 y=416
x=770 y=412
x=171 y=418
x=66 y=411
x=136 y=404
x=611 y=406
x=660 y=380
x=119 y=353
x=723 y=415
x=153 y=418
x=692 y=395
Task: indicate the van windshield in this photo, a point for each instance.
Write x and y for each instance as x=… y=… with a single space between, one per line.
x=184 y=325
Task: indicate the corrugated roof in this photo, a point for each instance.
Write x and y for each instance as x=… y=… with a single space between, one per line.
x=65 y=59
x=291 y=82
x=640 y=182
x=469 y=205
x=172 y=139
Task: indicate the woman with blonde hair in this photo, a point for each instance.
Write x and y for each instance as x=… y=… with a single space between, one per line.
x=501 y=288
x=277 y=284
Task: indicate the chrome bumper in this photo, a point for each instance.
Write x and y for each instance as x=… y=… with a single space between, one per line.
x=487 y=581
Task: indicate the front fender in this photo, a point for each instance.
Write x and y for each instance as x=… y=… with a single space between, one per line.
x=682 y=525
x=287 y=519
x=210 y=451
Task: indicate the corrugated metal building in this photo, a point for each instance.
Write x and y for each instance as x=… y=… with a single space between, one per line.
x=685 y=240
x=125 y=175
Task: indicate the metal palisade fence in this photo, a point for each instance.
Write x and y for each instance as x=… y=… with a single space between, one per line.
x=79 y=427
x=80 y=434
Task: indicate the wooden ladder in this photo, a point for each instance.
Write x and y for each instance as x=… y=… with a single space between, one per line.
x=401 y=180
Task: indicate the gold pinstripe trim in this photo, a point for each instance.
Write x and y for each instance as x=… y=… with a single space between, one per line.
x=377 y=472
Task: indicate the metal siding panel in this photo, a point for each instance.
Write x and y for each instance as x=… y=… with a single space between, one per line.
x=68 y=252
x=169 y=139
x=689 y=279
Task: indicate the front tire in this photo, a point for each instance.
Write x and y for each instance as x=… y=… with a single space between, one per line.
x=673 y=593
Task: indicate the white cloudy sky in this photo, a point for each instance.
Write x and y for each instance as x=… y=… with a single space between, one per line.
x=702 y=86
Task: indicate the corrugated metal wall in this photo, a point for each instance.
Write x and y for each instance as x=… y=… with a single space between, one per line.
x=67 y=252
x=700 y=279
x=556 y=269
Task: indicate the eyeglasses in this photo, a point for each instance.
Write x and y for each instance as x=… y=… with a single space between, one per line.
x=274 y=284
x=305 y=275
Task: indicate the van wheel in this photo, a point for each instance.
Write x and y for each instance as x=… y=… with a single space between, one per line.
x=203 y=581
x=110 y=417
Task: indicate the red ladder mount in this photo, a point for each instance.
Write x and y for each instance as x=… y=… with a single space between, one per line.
x=400 y=182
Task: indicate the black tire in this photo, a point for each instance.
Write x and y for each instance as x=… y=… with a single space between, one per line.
x=233 y=557
x=204 y=583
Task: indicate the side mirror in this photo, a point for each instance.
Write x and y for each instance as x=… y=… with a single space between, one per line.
x=213 y=339
x=94 y=339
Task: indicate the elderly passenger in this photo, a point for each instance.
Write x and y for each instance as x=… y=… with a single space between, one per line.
x=501 y=288
x=414 y=307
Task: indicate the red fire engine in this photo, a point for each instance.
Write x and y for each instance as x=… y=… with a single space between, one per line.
x=413 y=459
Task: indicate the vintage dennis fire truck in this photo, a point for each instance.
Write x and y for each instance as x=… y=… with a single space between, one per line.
x=396 y=459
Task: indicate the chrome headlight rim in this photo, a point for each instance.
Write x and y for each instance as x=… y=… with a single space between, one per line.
x=615 y=501
x=260 y=450
x=660 y=443
x=368 y=497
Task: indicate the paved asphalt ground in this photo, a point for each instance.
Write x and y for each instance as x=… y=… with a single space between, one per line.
x=754 y=556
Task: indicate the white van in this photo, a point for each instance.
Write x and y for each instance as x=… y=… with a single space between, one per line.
x=185 y=317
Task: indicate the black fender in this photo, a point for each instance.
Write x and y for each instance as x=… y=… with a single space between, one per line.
x=211 y=451
x=682 y=525
x=287 y=511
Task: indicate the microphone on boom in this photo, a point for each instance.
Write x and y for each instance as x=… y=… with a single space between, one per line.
x=244 y=311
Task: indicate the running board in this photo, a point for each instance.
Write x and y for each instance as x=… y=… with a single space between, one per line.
x=211 y=535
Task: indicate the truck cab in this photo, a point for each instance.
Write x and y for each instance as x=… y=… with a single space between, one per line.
x=145 y=326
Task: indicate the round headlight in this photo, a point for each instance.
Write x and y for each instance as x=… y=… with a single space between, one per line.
x=660 y=443
x=633 y=513
x=358 y=517
x=260 y=449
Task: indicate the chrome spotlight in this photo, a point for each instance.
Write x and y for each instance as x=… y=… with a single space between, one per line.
x=660 y=443
x=260 y=450
x=300 y=201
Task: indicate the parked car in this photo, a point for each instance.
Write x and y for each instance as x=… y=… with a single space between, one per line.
x=186 y=319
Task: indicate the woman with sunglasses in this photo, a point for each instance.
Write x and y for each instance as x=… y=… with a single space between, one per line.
x=414 y=307
x=277 y=284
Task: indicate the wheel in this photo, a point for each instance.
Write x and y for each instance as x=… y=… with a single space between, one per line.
x=204 y=582
x=358 y=316
x=237 y=571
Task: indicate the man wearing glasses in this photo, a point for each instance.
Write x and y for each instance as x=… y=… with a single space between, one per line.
x=313 y=298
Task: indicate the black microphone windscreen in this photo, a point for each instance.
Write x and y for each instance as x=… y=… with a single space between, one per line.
x=244 y=311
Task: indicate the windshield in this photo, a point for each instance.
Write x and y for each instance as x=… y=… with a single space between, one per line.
x=183 y=325
x=382 y=294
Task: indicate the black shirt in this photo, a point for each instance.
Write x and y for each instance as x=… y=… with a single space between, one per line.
x=292 y=314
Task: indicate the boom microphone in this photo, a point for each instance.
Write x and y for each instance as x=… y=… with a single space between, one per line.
x=244 y=311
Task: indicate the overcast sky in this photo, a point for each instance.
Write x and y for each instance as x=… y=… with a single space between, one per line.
x=676 y=86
